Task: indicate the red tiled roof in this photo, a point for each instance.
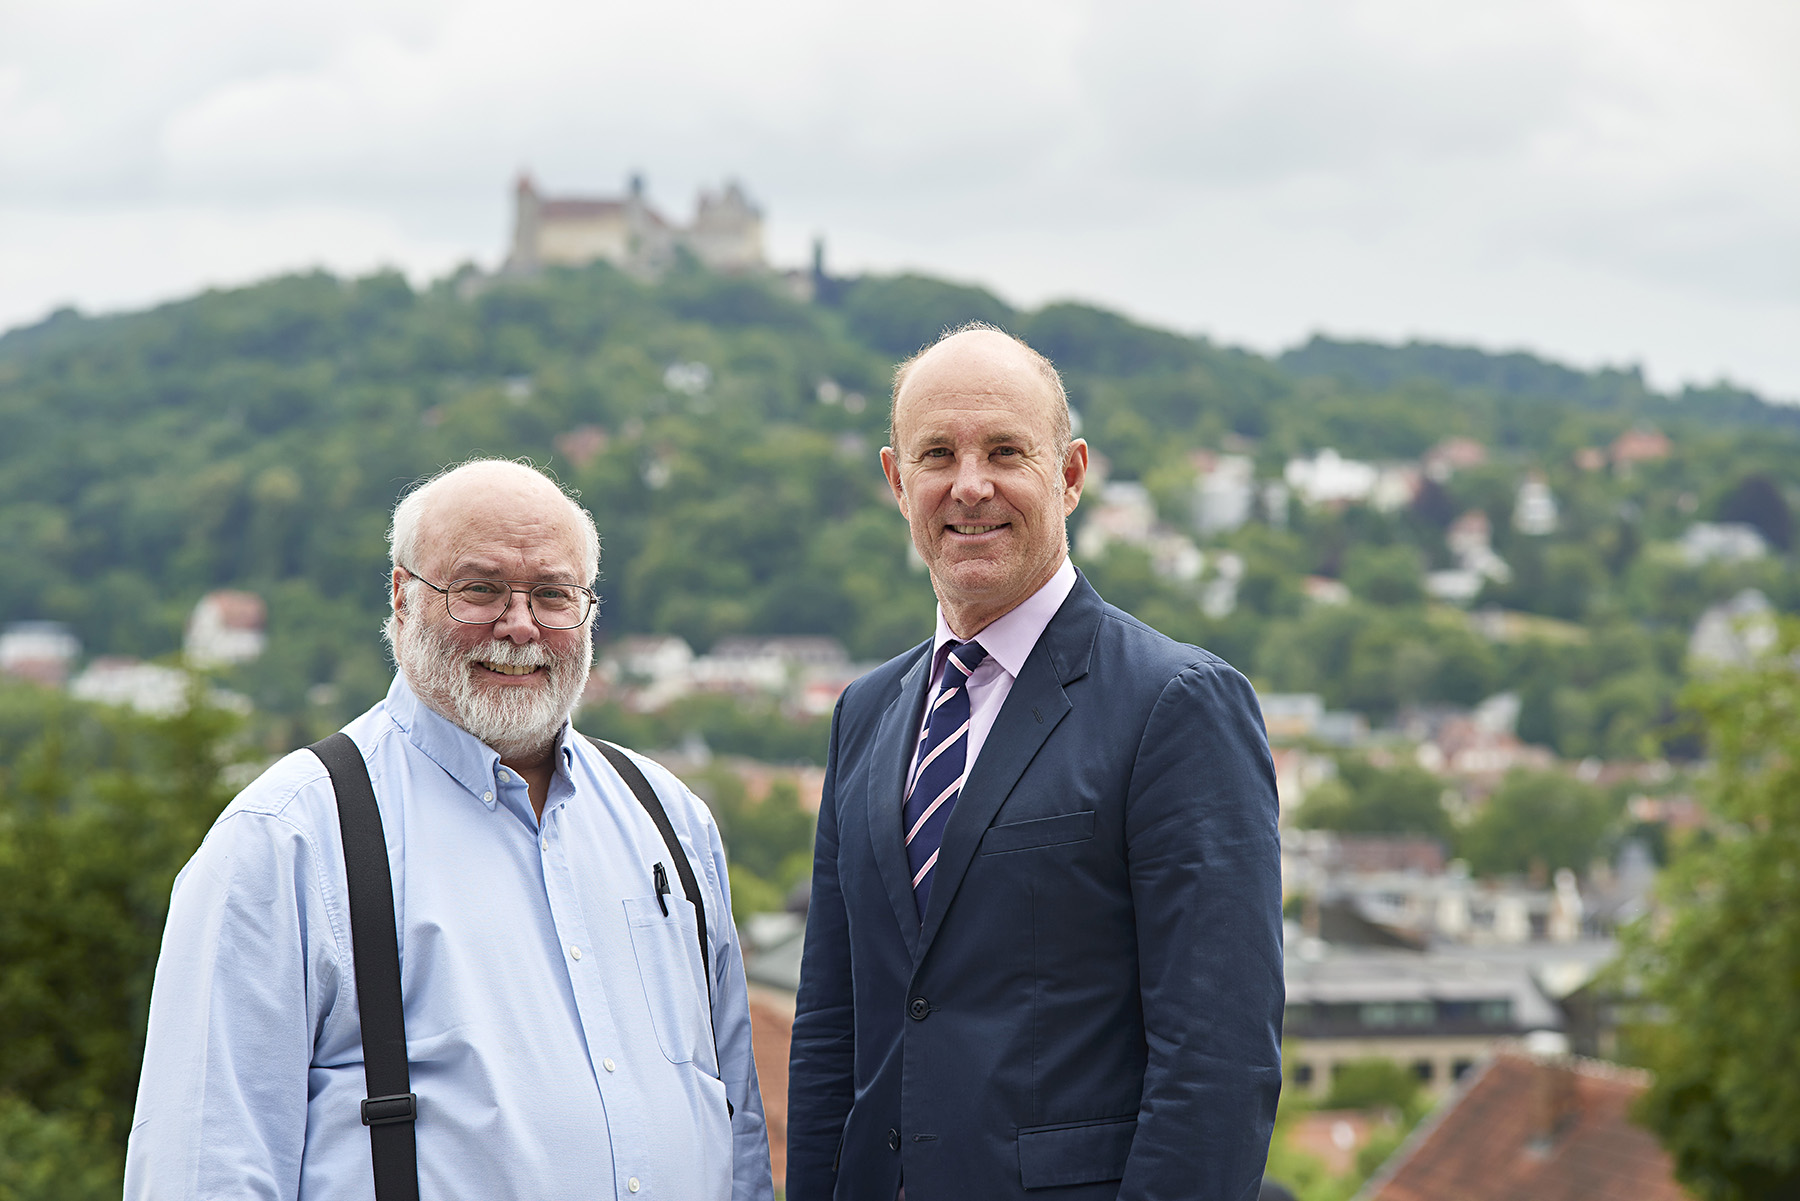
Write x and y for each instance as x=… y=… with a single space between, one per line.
x=1529 y=1129
x=238 y=610
x=771 y=1029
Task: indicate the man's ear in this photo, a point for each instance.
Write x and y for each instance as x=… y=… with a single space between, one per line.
x=890 y=467
x=398 y=580
x=1074 y=474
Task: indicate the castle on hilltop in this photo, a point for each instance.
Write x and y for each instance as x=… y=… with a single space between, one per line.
x=726 y=233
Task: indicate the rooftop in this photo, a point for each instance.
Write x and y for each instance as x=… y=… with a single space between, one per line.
x=1529 y=1128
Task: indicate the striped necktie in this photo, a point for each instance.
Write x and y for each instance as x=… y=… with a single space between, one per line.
x=943 y=762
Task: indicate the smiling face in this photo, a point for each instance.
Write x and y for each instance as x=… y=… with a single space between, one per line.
x=978 y=472
x=510 y=683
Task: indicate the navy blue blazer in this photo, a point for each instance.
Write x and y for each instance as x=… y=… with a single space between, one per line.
x=1092 y=1005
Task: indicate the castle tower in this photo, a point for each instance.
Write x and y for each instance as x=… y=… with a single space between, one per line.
x=727 y=234
x=527 y=217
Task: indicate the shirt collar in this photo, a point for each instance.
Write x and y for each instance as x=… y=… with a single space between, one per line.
x=469 y=761
x=1010 y=638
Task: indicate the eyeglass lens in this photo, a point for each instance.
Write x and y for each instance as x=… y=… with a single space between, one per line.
x=555 y=606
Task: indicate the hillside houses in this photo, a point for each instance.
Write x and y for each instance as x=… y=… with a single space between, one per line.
x=647 y=673
x=39 y=651
x=225 y=628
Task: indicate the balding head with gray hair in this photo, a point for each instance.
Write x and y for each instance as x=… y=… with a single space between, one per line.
x=511 y=474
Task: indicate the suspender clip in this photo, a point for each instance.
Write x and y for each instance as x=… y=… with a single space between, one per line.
x=400 y=1107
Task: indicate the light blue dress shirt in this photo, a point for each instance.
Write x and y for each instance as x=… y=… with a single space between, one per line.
x=556 y=1019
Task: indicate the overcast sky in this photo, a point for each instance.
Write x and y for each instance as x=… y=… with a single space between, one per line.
x=1601 y=181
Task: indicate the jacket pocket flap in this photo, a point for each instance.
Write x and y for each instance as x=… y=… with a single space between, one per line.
x=1039 y=832
x=1086 y=1153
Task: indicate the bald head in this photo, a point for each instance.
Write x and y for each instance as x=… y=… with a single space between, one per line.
x=985 y=358
x=984 y=470
x=429 y=514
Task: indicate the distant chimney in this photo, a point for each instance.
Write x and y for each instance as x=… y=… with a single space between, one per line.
x=1554 y=1103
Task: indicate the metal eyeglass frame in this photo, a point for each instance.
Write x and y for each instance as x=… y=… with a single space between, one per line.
x=530 y=586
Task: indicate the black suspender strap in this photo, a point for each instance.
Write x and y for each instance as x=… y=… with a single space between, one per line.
x=646 y=795
x=690 y=887
x=391 y=1106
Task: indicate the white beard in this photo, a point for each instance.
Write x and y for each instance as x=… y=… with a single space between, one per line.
x=517 y=722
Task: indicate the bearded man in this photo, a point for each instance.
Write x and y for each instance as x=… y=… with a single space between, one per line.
x=558 y=1026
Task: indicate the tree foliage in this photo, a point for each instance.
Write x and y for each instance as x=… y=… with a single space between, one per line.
x=724 y=435
x=98 y=811
x=1720 y=962
x=1374 y=800
x=1537 y=821
x=1374 y=1084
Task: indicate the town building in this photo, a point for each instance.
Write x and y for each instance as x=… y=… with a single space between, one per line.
x=1534 y=508
x=39 y=651
x=226 y=627
x=150 y=688
x=1439 y=1013
x=1452 y=455
x=1224 y=493
x=649 y=672
x=1734 y=633
x=1641 y=445
x=1722 y=542
x=1531 y=1126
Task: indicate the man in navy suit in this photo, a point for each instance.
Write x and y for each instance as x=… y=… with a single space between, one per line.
x=1043 y=957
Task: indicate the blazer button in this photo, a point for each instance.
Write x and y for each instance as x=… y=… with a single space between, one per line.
x=918 y=1008
x=893 y=1140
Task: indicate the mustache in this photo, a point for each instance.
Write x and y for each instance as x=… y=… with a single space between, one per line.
x=511 y=654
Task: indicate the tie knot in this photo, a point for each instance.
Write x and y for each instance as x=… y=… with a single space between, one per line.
x=964 y=658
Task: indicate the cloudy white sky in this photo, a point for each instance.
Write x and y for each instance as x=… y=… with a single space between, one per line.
x=1597 y=180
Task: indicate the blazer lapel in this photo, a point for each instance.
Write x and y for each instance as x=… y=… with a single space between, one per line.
x=896 y=740
x=1034 y=707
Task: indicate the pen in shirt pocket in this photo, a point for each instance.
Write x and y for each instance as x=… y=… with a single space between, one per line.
x=661 y=878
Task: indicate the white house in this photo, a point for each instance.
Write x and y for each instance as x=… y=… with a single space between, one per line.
x=225 y=627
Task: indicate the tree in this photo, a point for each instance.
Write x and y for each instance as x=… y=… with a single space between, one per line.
x=1757 y=500
x=1373 y=800
x=1537 y=821
x=899 y=314
x=51 y=1157
x=1373 y=1083
x=98 y=811
x=1386 y=575
x=1720 y=963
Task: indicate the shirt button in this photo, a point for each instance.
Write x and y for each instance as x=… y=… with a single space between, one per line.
x=487 y=796
x=574 y=951
x=609 y=1065
x=545 y=843
x=632 y=1184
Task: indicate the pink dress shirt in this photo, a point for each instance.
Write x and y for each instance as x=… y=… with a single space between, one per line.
x=1008 y=641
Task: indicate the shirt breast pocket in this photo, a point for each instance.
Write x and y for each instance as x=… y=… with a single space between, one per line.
x=668 y=963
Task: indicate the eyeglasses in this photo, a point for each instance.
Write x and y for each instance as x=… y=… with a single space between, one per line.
x=478 y=602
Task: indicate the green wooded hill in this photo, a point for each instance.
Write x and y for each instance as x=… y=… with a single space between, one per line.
x=724 y=434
